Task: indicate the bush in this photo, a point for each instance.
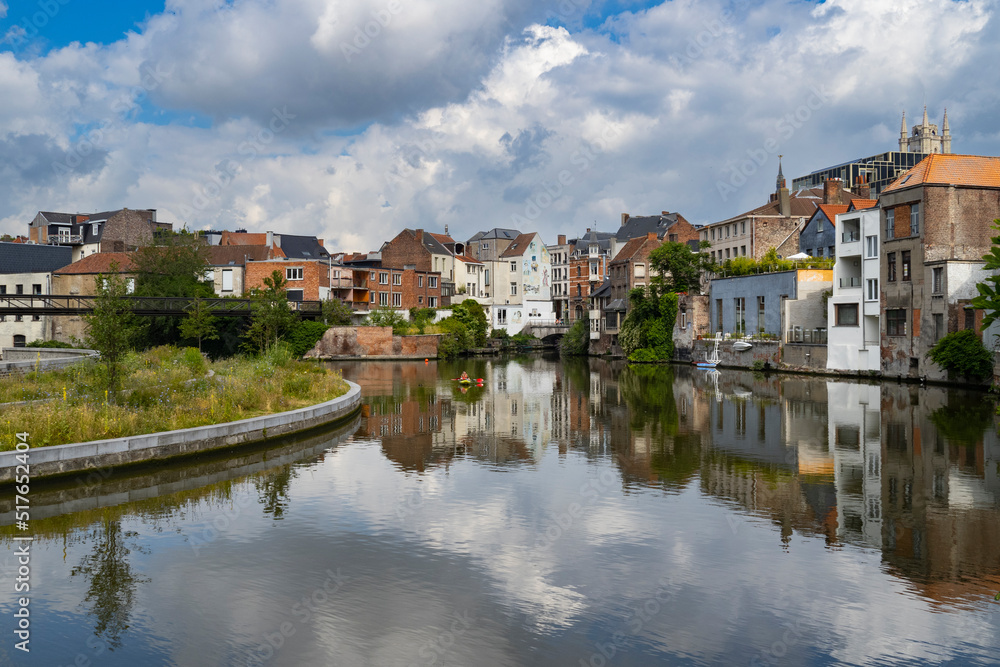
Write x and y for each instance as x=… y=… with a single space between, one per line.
x=455 y=340
x=421 y=317
x=194 y=361
x=386 y=317
x=500 y=334
x=303 y=335
x=471 y=313
x=643 y=356
x=48 y=344
x=962 y=352
x=576 y=341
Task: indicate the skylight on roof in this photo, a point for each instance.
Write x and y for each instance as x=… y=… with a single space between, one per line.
x=905 y=179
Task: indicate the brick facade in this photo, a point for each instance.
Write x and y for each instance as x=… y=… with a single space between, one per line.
x=402 y=289
x=583 y=282
x=314 y=275
x=406 y=250
x=373 y=342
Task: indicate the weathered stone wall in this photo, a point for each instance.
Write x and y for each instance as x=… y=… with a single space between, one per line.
x=692 y=321
x=801 y=355
x=339 y=342
x=126 y=230
x=764 y=351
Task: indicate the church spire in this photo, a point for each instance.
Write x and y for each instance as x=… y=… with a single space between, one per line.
x=944 y=123
x=780 y=181
x=926 y=122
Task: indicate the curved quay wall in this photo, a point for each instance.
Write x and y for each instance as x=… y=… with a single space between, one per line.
x=116 y=452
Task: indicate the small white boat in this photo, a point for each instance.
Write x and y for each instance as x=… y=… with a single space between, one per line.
x=741 y=345
x=711 y=361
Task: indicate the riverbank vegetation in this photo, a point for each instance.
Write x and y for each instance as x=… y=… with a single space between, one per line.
x=162 y=389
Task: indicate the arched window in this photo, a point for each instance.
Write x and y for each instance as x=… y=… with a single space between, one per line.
x=19 y=341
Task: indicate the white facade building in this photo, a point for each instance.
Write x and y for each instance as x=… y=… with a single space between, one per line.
x=854 y=309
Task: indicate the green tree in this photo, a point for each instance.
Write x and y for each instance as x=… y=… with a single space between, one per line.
x=387 y=317
x=962 y=352
x=336 y=313
x=174 y=266
x=989 y=290
x=470 y=312
x=270 y=316
x=576 y=341
x=678 y=268
x=199 y=324
x=647 y=333
x=112 y=328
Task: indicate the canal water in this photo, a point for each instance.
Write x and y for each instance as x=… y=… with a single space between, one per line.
x=564 y=513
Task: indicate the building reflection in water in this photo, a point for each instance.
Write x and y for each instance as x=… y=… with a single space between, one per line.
x=912 y=471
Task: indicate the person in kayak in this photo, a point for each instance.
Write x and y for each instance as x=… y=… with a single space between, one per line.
x=464 y=378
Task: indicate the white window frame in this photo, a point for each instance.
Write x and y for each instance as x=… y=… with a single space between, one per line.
x=293 y=273
x=397 y=299
x=397 y=279
x=871 y=246
x=383 y=278
x=432 y=281
x=227 y=280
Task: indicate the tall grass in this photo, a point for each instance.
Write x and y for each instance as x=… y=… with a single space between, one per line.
x=165 y=389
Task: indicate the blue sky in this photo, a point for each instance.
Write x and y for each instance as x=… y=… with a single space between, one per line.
x=353 y=119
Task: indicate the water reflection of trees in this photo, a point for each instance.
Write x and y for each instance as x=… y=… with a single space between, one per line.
x=112 y=582
x=272 y=491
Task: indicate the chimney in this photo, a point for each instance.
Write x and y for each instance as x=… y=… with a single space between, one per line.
x=651 y=236
x=419 y=235
x=446 y=230
x=270 y=239
x=833 y=189
x=784 y=203
x=625 y=217
x=664 y=212
x=588 y=230
x=864 y=188
x=320 y=241
x=562 y=239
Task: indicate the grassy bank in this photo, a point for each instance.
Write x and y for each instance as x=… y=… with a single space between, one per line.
x=165 y=389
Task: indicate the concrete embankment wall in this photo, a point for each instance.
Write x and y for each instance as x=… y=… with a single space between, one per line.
x=27 y=359
x=74 y=458
x=373 y=342
x=763 y=350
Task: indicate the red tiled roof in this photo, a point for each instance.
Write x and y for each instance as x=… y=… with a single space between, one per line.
x=860 y=204
x=831 y=211
x=630 y=248
x=243 y=238
x=950 y=169
x=467 y=259
x=442 y=238
x=98 y=263
x=222 y=255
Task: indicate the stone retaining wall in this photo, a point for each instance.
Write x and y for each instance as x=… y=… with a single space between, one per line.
x=66 y=459
x=373 y=342
x=27 y=359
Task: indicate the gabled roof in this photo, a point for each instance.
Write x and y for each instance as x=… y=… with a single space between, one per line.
x=518 y=246
x=950 y=169
x=630 y=249
x=30 y=258
x=829 y=211
x=861 y=204
x=243 y=238
x=52 y=216
x=236 y=255
x=300 y=247
x=442 y=238
x=467 y=259
x=603 y=290
x=803 y=204
x=641 y=225
x=495 y=233
x=98 y=263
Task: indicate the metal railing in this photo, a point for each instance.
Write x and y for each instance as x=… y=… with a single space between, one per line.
x=55 y=304
x=851 y=282
x=797 y=334
x=850 y=237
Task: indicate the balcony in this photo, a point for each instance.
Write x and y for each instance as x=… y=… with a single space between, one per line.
x=66 y=239
x=850 y=282
x=850 y=236
x=798 y=334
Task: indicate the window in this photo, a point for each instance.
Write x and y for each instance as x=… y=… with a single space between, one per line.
x=36 y=289
x=373 y=275
x=743 y=250
x=486 y=246
x=383 y=298
x=937 y=276
x=579 y=290
x=513 y=289
x=847 y=314
x=432 y=302
x=819 y=225
x=3 y=289
x=760 y=315
x=970 y=319
x=915 y=219
x=420 y=281
x=713 y=233
x=938 y=326
x=727 y=253
x=432 y=281
x=895 y=322
x=502 y=316
x=905 y=255
x=371 y=297
x=293 y=273
x=420 y=300
x=872 y=289
x=227 y=280
x=890 y=260
x=19 y=289
x=890 y=224
x=397 y=279
x=19 y=341
x=727 y=231
x=593 y=269
x=294 y=295
x=740 y=308
x=831 y=251
x=513 y=266
x=640 y=270
x=743 y=228
x=397 y=299
x=718 y=314
x=383 y=278
x=871 y=246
